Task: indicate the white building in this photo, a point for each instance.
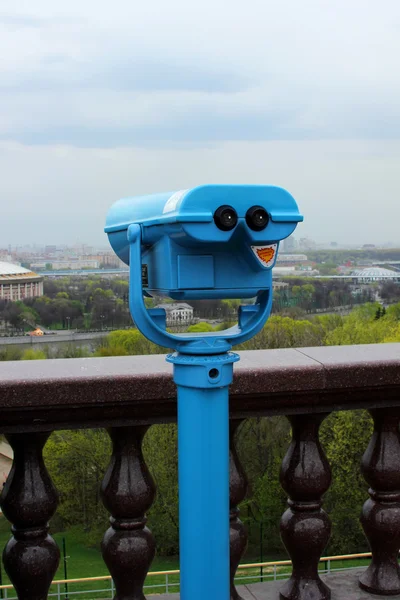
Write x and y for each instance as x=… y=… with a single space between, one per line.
x=177 y=313
x=375 y=274
x=6 y=460
x=291 y=258
x=279 y=285
x=70 y=265
x=17 y=283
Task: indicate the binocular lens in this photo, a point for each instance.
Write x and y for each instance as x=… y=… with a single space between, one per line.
x=225 y=218
x=257 y=218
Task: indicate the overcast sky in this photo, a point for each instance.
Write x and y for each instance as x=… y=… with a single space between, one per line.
x=103 y=99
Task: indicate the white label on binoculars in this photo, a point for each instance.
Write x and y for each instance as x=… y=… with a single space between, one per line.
x=265 y=254
x=173 y=201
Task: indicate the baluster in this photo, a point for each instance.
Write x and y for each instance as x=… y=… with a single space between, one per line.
x=305 y=527
x=237 y=492
x=29 y=499
x=381 y=512
x=128 y=491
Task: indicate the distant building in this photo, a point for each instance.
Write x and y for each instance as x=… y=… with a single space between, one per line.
x=6 y=460
x=86 y=261
x=293 y=271
x=291 y=258
x=17 y=283
x=107 y=259
x=289 y=245
x=279 y=285
x=71 y=264
x=365 y=262
x=283 y=271
x=307 y=244
x=177 y=313
x=374 y=274
x=5 y=256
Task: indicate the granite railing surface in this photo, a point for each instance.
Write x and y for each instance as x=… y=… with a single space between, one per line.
x=127 y=395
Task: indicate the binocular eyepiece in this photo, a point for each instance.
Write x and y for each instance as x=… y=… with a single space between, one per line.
x=257 y=218
x=226 y=219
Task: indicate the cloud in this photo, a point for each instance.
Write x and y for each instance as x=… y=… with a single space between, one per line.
x=137 y=74
x=32 y=21
x=61 y=73
x=100 y=100
x=141 y=119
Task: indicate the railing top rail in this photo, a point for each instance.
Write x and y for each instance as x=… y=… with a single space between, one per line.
x=280 y=563
x=124 y=390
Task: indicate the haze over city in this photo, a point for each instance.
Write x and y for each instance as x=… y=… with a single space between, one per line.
x=97 y=104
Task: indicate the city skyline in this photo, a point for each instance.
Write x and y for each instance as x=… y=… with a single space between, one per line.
x=291 y=245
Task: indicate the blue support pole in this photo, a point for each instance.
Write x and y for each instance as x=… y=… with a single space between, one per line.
x=203 y=454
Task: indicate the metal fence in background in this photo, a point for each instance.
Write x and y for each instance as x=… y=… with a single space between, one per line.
x=64 y=589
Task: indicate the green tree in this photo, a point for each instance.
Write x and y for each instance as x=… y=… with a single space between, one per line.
x=124 y=342
x=229 y=307
x=10 y=353
x=283 y=332
x=392 y=335
x=161 y=454
x=328 y=268
x=362 y=327
x=77 y=461
x=296 y=291
x=262 y=444
x=33 y=354
x=345 y=437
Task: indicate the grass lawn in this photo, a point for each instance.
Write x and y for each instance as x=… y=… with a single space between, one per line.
x=88 y=562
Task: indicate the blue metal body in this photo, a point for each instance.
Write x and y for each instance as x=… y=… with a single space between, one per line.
x=203 y=444
x=184 y=253
x=174 y=248
x=152 y=322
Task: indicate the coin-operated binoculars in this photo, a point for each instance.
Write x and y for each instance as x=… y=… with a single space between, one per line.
x=209 y=242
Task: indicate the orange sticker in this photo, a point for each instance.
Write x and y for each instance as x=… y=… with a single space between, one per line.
x=265 y=254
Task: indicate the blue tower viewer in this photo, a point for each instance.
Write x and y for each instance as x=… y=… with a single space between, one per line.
x=212 y=241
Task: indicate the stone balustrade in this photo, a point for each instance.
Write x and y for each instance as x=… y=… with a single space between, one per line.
x=127 y=395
